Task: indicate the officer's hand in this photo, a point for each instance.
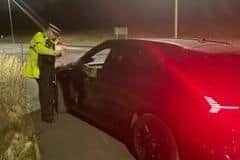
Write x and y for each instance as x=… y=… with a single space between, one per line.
x=58 y=51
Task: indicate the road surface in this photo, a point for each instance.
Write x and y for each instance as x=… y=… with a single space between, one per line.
x=19 y=48
x=72 y=139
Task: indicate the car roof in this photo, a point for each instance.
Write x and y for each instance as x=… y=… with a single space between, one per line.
x=203 y=46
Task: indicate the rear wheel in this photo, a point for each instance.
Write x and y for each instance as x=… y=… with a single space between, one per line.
x=153 y=141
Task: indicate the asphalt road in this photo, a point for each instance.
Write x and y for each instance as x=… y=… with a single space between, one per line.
x=20 y=48
x=72 y=139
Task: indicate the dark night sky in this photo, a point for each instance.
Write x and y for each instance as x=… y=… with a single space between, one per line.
x=197 y=16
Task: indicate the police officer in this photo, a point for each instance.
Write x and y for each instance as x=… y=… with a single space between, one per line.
x=40 y=65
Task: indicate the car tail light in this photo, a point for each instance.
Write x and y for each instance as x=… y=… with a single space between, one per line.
x=216 y=107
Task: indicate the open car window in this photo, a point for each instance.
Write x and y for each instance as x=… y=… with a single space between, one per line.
x=97 y=61
x=99 y=58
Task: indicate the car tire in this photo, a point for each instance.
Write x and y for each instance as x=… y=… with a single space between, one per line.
x=153 y=140
x=61 y=107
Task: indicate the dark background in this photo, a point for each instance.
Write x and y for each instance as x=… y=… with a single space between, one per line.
x=197 y=17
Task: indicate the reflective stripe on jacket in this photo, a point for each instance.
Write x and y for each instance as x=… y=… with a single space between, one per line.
x=39 y=45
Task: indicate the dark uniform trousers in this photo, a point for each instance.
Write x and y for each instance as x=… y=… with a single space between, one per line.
x=47 y=87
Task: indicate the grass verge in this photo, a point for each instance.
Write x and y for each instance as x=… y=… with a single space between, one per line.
x=17 y=136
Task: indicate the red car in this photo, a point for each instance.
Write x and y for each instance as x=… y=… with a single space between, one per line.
x=167 y=99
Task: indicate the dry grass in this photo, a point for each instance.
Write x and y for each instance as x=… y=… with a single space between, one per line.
x=17 y=139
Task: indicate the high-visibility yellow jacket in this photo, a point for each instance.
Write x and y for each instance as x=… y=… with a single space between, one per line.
x=39 y=45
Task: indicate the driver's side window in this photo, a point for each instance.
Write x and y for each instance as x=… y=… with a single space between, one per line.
x=97 y=61
x=99 y=58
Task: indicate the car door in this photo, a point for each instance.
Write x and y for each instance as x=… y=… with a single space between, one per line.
x=128 y=82
x=117 y=81
x=90 y=106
